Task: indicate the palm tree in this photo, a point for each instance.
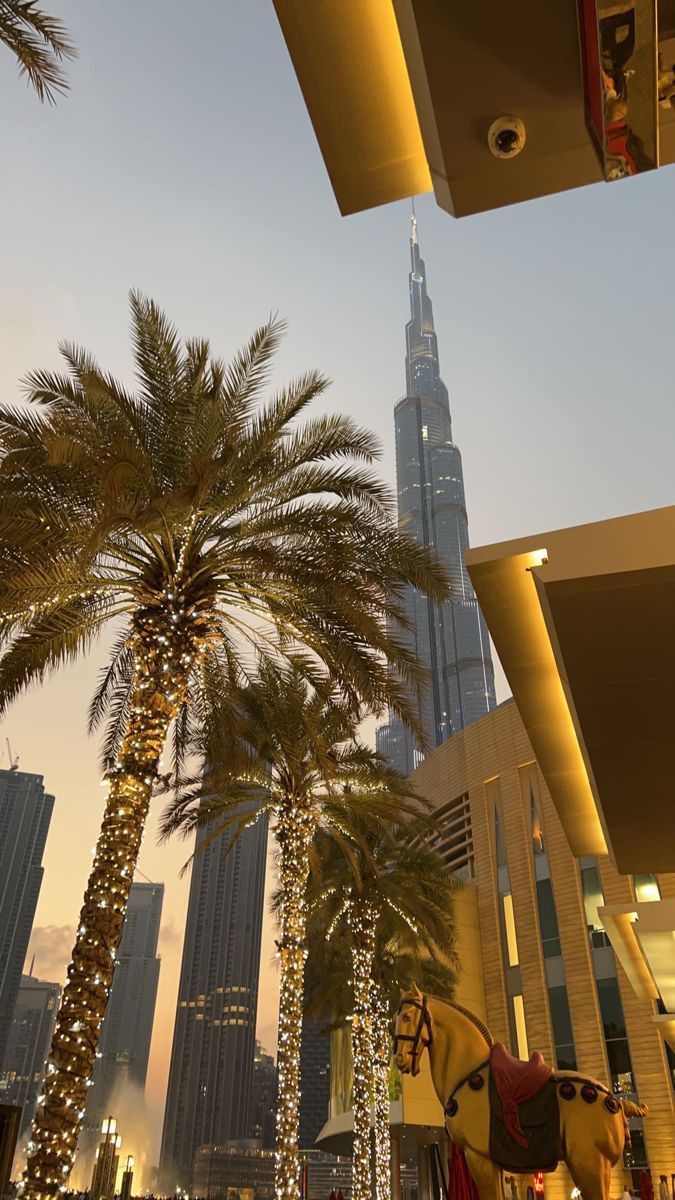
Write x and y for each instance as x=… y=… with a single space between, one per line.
x=392 y=899
x=291 y=752
x=39 y=43
x=203 y=525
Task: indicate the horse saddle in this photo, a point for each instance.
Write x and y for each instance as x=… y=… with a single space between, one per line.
x=524 y=1114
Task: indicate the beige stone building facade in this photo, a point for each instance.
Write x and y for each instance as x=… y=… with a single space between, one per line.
x=550 y=978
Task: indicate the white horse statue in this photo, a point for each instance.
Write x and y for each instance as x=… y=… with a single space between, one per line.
x=508 y=1114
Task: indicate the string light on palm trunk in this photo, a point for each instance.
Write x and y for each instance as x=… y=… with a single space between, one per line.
x=362 y=925
x=294 y=828
x=164 y=653
x=383 y=1188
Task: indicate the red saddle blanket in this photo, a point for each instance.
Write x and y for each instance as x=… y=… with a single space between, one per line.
x=516 y=1082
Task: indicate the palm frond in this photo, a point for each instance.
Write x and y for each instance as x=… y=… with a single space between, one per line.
x=117 y=674
x=39 y=43
x=118 y=711
x=281 y=534
x=45 y=644
x=242 y=379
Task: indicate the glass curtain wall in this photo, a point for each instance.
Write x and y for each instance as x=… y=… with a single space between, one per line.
x=611 y=1007
x=508 y=938
x=561 y=1020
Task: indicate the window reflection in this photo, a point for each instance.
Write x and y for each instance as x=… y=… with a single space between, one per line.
x=646 y=888
x=537 y=828
x=591 y=886
x=561 y=1021
x=548 y=920
x=500 y=848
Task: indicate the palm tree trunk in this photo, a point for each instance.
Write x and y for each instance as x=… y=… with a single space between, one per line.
x=293 y=834
x=156 y=693
x=382 y=1131
x=363 y=954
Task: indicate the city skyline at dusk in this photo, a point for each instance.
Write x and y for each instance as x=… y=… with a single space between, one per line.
x=183 y=162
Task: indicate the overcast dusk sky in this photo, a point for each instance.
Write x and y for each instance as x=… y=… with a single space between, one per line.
x=183 y=163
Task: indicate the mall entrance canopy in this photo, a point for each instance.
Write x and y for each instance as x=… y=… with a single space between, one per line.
x=484 y=102
x=583 y=620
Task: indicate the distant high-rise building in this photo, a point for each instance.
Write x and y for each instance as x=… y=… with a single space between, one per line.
x=451 y=640
x=211 y=1073
x=314 y=1082
x=265 y=1080
x=124 y=1048
x=25 y=813
x=28 y=1045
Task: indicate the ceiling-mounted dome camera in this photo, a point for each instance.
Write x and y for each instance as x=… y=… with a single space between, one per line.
x=506 y=137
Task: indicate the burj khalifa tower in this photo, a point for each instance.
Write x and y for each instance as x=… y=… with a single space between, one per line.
x=451 y=640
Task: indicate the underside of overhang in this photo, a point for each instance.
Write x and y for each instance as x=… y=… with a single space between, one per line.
x=666 y=1027
x=507 y=59
x=402 y=95
x=583 y=621
x=350 y=66
x=619 y=925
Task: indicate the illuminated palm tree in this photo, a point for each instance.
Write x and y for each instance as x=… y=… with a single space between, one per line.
x=292 y=753
x=391 y=901
x=201 y=525
x=39 y=43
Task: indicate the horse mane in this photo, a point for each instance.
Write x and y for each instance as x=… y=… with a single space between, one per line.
x=466 y=1012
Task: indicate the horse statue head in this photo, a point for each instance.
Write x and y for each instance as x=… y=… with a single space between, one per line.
x=413 y=1031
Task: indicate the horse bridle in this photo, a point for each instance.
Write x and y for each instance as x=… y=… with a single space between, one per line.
x=416 y=1038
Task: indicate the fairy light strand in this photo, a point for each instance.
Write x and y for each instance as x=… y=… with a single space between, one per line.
x=363 y=952
x=166 y=643
x=294 y=828
x=381 y=1060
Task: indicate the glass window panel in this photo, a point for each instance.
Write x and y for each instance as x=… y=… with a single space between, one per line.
x=548 y=921
x=611 y=1008
x=636 y=1155
x=500 y=848
x=560 y=1016
x=620 y=1065
x=593 y=896
x=566 y=1058
x=552 y=948
x=622 y=1082
x=670 y=1054
x=600 y=940
x=646 y=888
x=537 y=827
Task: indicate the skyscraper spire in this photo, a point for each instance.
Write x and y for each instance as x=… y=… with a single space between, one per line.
x=451 y=640
x=422 y=367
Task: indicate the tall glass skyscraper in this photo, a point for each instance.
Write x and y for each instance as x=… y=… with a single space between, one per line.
x=451 y=640
x=314 y=1082
x=28 y=1045
x=25 y=813
x=209 y=1098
